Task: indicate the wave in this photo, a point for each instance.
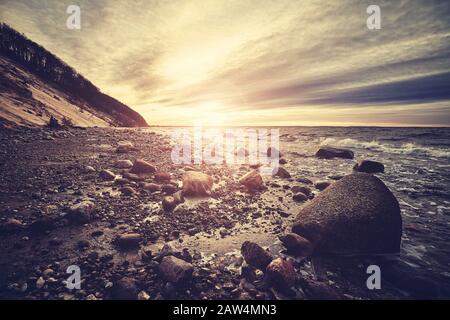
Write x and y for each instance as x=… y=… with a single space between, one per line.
x=408 y=148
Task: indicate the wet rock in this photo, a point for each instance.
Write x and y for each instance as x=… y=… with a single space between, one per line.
x=300 y=197
x=281 y=273
x=128 y=191
x=81 y=212
x=305 y=190
x=162 y=177
x=297 y=244
x=175 y=270
x=11 y=225
x=252 y=180
x=357 y=214
x=142 y=166
x=107 y=175
x=369 y=166
x=273 y=152
x=322 y=185
x=123 y=164
x=128 y=241
x=255 y=255
x=197 y=184
x=329 y=153
x=281 y=172
x=124 y=289
x=168 y=203
x=151 y=187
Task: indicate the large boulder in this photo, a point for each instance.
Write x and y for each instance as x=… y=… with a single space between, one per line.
x=369 y=166
x=175 y=270
x=330 y=153
x=197 y=184
x=355 y=215
x=255 y=255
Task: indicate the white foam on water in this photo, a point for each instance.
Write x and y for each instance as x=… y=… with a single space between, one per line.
x=406 y=148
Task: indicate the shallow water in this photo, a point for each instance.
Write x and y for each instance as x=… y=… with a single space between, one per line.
x=416 y=170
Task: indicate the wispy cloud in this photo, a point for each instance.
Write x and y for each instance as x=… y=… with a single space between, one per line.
x=256 y=61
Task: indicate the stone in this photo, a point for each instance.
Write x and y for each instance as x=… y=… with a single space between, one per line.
x=305 y=190
x=129 y=240
x=330 y=153
x=300 y=197
x=40 y=282
x=369 y=166
x=168 y=203
x=175 y=270
x=282 y=161
x=281 y=172
x=42 y=225
x=355 y=215
x=128 y=191
x=124 y=289
x=89 y=169
x=273 y=151
x=125 y=147
x=316 y=290
x=142 y=166
x=107 y=175
x=143 y=296
x=11 y=225
x=169 y=189
x=304 y=180
x=252 y=180
x=322 y=185
x=162 y=177
x=81 y=212
x=133 y=177
x=151 y=187
x=281 y=273
x=297 y=244
x=123 y=164
x=197 y=184
x=255 y=255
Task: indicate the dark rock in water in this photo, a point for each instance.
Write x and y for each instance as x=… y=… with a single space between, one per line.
x=125 y=289
x=252 y=180
x=281 y=273
x=281 y=172
x=129 y=240
x=300 y=197
x=297 y=244
x=330 y=153
x=316 y=290
x=142 y=166
x=322 y=185
x=357 y=214
x=273 y=151
x=255 y=256
x=369 y=166
x=175 y=270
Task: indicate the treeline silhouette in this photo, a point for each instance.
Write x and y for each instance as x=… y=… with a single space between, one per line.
x=49 y=67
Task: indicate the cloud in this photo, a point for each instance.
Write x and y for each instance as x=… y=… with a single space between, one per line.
x=253 y=57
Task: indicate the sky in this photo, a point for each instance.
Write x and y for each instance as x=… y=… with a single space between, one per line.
x=265 y=62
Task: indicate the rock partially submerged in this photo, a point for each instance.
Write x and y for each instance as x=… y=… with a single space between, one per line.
x=330 y=153
x=355 y=215
x=197 y=184
x=369 y=166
